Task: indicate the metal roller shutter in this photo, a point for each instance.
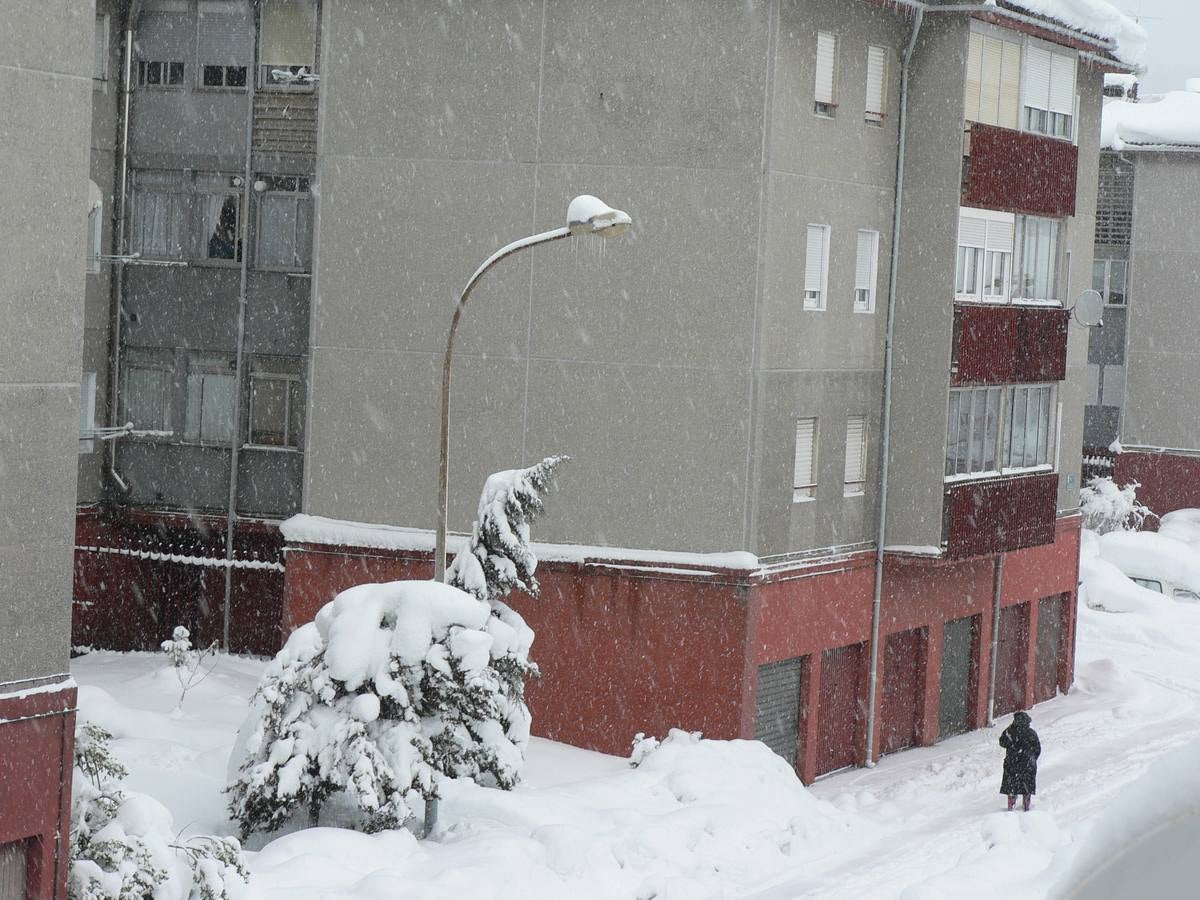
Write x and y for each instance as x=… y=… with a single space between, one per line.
x=777 y=707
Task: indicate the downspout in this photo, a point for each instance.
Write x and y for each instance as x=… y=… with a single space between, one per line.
x=235 y=440
x=885 y=419
x=118 y=288
x=997 y=582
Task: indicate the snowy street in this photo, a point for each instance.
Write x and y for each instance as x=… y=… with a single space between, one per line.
x=700 y=819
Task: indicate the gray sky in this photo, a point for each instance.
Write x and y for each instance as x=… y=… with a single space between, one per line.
x=1174 y=50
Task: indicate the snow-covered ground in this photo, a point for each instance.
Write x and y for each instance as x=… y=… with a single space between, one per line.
x=709 y=818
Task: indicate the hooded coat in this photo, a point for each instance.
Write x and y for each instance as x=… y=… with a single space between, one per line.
x=1021 y=751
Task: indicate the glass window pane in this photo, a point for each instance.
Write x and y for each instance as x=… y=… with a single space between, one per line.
x=295 y=414
x=143 y=397
x=277 y=231
x=214 y=76
x=1016 y=414
x=978 y=428
x=952 y=434
x=993 y=430
x=1043 y=447
x=221 y=226
x=268 y=411
x=216 y=414
x=1098 y=275
x=1033 y=413
x=1116 y=281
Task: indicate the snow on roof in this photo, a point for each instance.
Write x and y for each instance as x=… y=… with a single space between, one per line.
x=1098 y=18
x=1169 y=120
x=306 y=529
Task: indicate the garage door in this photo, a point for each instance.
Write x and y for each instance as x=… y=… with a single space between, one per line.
x=841 y=713
x=1049 y=647
x=777 y=707
x=1011 y=659
x=903 y=679
x=959 y=675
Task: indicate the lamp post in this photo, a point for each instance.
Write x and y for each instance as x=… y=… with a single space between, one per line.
x=585 y=215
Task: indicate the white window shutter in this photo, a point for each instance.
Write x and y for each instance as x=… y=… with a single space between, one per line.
x=974 y=65
x=100 y=63
x=856 y=453
x=1010 y=86
x=804 y=468
x=876 y=79
x=1062 y=84
x=814 y=259
x=1036 y=86
x=865 y=262
x=224 y=34
x=826 y=66
x=993 y=55
x=972 y=230
x=1000 y=235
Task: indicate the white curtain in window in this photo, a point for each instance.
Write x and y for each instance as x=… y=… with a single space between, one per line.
x=210 y=407
x=826 y=67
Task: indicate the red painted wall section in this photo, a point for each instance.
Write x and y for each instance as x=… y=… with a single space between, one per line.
x=37 y=740
x=1169 y=481
x=1004 y=344
x=1015 y=171
x=1000 y=515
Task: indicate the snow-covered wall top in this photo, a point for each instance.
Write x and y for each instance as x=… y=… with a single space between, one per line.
x=306 y=529
x=1172 y=120
x=1095 y=17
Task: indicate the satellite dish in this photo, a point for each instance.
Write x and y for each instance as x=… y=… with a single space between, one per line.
x=1089 y=308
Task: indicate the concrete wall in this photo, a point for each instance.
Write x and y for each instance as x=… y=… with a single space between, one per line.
x=45 y=64
x=1162 y=359
x=840 y=172
x=637 y=362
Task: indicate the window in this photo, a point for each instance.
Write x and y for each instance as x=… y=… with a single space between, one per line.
x=1149 y=584
x=877 y=64
x=95 y=226
x=162 y=209
x=220 y=199
x=276 y=408
x=804 y=470
x=210 y=396
x=985 y=245
x=1027 y=437
x=144 y=396
x=1048 y=94
x=866 y=263
x=87 y=412
x=824 y=95
x=224 y=43
x=1108 y=277
x=994 y=429
x=816 y=265
x=284 y=230
x=287 y=46
x=160 y=73
x=100 y=58
x=1036 y=275
x=856 y=455
x=993 y=80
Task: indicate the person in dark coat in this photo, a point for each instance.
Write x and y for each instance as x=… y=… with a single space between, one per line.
x=1021 y=751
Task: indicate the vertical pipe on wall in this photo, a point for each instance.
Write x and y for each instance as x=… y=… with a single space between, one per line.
x=239 y=363
x=997 y=583
x=885 y=418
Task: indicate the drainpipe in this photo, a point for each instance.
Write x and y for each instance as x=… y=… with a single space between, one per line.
x=885 y=418
x=118 y=284
x=239 y=366
x=997 y=581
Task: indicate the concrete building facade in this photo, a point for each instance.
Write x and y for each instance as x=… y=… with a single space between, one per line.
x=718 y=375
x=44 y=64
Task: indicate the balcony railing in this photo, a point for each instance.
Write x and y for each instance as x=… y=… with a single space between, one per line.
x=1019 y=172
x=1008 y=344
x=998 y=515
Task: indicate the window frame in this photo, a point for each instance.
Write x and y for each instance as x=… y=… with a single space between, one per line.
x=95 y=239
x=805 y=492
x=985 y=256
x=100 y=53
x=200 y=215
x=300 y=196
x=876 y=117
x=1106 y=280
x=293 y=382
x=867 y=306
x=825 y=104
x=87 y=412
x=181 y=188
x=166 y=374
x=998 y=439
x=1001 y=95
x=1054 y=277
x=143 y=75
x=1049 y=120
x=202 y=73
x=856 y=487
x=202 y=366
x=820 y=302
x=264 y=81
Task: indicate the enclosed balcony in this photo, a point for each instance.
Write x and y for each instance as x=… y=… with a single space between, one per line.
x=1018 y=172
x=997 y=515
x=1008 y=344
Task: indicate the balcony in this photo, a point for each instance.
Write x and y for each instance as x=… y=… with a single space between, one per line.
x=285 y=123
x=998 y=515
x=1018 y=172
x=1003 y=344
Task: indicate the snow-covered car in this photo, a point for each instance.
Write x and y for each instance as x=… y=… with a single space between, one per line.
x=1156 y=562
x=1182 y=525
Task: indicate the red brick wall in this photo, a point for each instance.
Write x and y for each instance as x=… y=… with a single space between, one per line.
x=37 y=739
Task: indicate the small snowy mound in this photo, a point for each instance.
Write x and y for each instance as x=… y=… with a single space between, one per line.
x=1145 y=843
x=1182 y=525
x=391 y=686
x=1104 y=586
x=1144 y=554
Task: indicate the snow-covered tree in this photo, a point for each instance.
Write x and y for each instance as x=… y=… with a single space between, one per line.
x=1106 y=507
x=188 y=662
x=389 y=687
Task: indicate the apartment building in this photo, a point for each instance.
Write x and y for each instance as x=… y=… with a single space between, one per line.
x=44 y=64
x=721 y=376
x=1142 y=365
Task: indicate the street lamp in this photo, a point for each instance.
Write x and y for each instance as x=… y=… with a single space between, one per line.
x=585 y=215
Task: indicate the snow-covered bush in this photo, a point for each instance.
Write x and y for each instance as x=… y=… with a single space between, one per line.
x=123 y=845
x=188 y=662
x=391 y=685
x=1106 y=507
x=641 y=747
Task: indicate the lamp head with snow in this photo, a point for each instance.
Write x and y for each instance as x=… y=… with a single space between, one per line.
x=1089 y=308
x=590 y=215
